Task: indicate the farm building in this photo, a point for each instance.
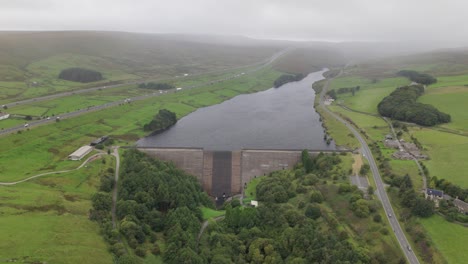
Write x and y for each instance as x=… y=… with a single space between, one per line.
x=80 y=153
x=461 y=205
x=4 y=116
x=99 y=140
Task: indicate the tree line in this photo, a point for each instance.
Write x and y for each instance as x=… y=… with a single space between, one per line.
x=80 y=75
x=286 y=78
x=161 y=121
x=417 y=77
x=351 y=90
x=401 y=104
x=156 y=86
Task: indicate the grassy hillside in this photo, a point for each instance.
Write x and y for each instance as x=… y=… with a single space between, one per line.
x=307 y=60
x=31 y=61
x=46 y=220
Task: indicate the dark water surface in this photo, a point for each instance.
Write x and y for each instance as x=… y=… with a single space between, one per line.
x=278 y=118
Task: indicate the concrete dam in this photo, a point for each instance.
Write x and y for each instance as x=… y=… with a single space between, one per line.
x=224 y=173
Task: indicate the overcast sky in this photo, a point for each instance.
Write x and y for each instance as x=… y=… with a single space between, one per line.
x=441 y=21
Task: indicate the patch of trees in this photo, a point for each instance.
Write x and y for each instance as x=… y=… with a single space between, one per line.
x=418 y=77
x=401 y=105
x=351 y=90
x=154 y=196
x=418 y=205
x=449 y=188
x=161 y=121
x=80 y=75
x=286 y=78
x=156 y=86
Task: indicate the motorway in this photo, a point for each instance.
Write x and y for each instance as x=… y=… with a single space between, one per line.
x=111 y=104
x=103 y=87
x=380 y=191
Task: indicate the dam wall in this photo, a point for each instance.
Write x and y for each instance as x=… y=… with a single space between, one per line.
x=225 y=173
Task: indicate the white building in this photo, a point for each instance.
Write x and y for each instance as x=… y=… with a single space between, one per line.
x=80 y=153
x=254 y=203
x=4 y=116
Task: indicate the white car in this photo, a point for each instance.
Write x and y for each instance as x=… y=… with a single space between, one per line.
x=26 y=125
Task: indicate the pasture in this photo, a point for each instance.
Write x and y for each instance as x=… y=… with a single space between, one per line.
x=451 y=239
x=451 y=100
x=448 y=154
x=46 y=219
x=371 y=91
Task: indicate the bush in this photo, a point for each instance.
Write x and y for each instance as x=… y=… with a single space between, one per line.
x=313 y=212
x=161 y=121
x=140 y=251
x=377 y=218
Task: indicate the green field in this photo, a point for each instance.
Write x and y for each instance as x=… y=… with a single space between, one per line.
x=448 y=154
x=444 y=81
x=451 y=239
x=375 y=127
x=451 y=100
x=46 y=219
x=370 y=93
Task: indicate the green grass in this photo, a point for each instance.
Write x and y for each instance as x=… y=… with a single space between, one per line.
x=451 y=239
x=370 y=93
x=46 y=219
x=448 y=154
x=250 y=192
x=338 y=131
x=209 y=213
x=403 y=167
x=444 y=81
x=451 y=100
x=375 y=127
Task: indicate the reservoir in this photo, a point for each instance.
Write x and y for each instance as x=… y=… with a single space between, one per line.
x=278 y=118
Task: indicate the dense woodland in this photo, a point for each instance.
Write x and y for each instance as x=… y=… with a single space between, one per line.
x=154 y=198
x=401 y=105
x=161 y=121
x=417 y=77
x=80 y=75
x=303 y=217
x=156 y=86
x=286 y=78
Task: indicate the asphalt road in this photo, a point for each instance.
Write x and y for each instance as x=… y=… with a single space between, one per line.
x=34 y=123
x=381 y=193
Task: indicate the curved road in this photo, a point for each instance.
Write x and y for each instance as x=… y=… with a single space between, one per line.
x=381 y=193
x=115 y=153
x=137 y=98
